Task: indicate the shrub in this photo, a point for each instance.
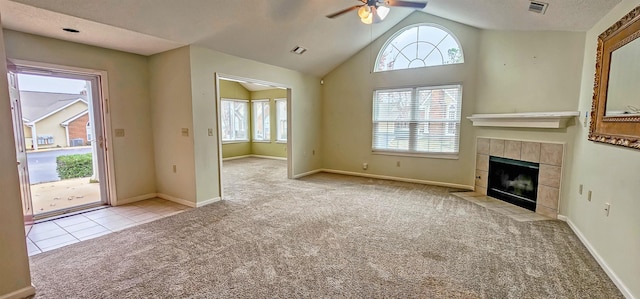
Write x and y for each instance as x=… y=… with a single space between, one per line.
x=74 y=166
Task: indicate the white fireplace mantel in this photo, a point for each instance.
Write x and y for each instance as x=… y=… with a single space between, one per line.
x=547 y=120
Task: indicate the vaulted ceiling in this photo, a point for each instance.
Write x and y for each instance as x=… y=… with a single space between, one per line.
x=266 y=31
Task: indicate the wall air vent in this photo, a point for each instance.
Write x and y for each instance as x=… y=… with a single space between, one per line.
x=298 y=50
x=538 y=7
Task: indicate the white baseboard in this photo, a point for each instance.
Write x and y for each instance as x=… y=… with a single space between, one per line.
x=177 y=200
x=399 y=179
x=208 y=202
x=307 y=173
x=125 y=201
x=623 y=289
x=19 y=294
x=236 y=157
x=269 y=157
x=562 y=218
x=255 y=156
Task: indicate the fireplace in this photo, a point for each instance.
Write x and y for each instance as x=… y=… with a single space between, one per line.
x=513 y=181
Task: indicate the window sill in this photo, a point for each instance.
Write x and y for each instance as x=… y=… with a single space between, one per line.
x=235 y=141
x=281 y=141
x=417 y=155
x=261 y=141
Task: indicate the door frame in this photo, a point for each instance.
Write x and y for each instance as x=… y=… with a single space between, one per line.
x=104 y=115
x=222 y=76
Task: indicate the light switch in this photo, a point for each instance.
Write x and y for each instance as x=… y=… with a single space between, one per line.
x=119 y=132
x=210 y=132
x=185 y=131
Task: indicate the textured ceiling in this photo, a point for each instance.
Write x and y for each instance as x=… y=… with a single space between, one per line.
x=267 y=30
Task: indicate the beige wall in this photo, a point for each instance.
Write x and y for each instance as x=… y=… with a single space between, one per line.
x=233 y=90
x=14 y=265
x=305 y=105
x=271 y=148
x=51 y=125
x=347 y=100
x=611 y=173
x=170 y=90
x=521 y=71
x=129 y=102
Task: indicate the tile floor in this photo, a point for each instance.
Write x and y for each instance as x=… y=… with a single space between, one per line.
x=60 y=232
x=512 y=211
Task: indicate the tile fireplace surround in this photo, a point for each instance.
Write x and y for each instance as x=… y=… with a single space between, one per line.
x=549 y=155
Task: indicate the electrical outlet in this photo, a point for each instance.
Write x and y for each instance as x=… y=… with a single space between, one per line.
x=119 y=132
x=580 y=189
x=185 y=132
x=607 y=207
x=174 y=169
x=365 y=166
x=589 y=195
x=397 y=163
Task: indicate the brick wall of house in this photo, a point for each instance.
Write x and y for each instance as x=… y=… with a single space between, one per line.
x=78 y=129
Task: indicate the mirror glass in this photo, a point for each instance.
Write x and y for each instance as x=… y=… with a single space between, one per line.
x=623 y=94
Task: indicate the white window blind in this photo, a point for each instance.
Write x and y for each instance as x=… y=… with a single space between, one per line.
x=281 y=118
x=422 y=120
x=261 y=120
x=234 y=119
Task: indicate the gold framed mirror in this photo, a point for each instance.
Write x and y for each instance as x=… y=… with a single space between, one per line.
x=615 y=110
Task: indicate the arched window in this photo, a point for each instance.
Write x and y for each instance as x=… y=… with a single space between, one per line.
x=419 y=45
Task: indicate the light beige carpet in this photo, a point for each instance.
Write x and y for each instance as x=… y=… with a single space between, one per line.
x=326 y=236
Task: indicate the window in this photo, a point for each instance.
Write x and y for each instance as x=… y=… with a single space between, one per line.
x=281 y=118
x=45 y=139
x=417 y=120
x=88 y=129
x=261 y=120
x=234 y=119
x=419 y=45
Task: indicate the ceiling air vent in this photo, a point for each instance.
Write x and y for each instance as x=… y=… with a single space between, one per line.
x=538 y=7
x=298 y=50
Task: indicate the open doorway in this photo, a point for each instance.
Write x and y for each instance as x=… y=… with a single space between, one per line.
x=58 y=125
x=255 y=143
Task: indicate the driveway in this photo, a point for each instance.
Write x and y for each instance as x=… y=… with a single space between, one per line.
x=42 y=164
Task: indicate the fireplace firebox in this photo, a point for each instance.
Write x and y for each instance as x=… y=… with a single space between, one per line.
x=513 y=181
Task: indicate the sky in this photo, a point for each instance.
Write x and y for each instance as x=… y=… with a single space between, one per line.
x=49 y=84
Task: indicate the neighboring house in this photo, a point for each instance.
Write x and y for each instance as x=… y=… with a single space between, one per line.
x=78 y=129
x=54 y=119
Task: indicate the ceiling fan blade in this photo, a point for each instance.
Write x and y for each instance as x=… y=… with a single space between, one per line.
x=344 y=11
x=416 y=5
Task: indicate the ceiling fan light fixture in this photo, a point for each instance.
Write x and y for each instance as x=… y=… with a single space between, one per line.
x=382 y=12
x=368 y=20
x=364 y=11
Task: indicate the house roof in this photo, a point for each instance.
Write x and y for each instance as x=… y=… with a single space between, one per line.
x=38 y=105
x=68 y=121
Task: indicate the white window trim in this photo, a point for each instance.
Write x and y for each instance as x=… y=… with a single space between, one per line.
x=253 y=121
x=397 y=33
x=247 y=124
x=409 y=153
x=279 y=140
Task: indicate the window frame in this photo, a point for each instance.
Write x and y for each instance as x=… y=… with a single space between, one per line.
x=246 y=122
x=278 y=139
x=414 y=98
x=404 y=29
x=265 y=139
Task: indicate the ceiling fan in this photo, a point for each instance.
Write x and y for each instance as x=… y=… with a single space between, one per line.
x=374 y=11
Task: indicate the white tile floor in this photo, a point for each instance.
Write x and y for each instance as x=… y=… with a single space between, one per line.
x=57 y=233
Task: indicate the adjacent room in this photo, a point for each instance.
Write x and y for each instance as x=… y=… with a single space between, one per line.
x=342 y=148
